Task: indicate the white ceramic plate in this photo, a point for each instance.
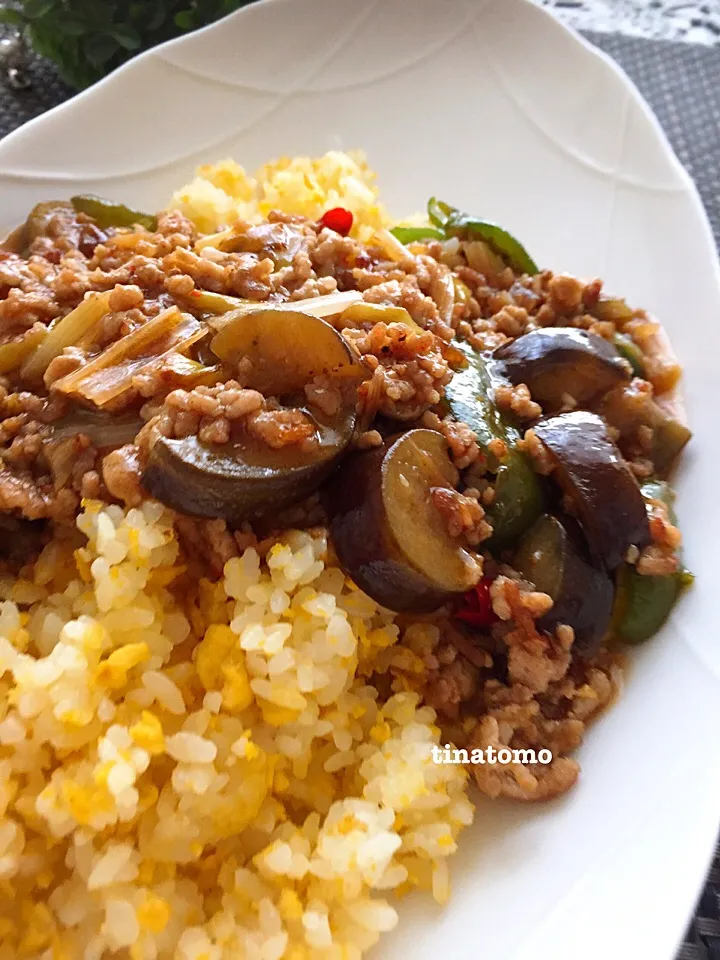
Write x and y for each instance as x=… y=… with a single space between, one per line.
x=496 y=107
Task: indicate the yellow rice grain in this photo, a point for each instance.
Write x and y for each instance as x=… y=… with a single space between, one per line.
x=224 y=192
x=180 y=801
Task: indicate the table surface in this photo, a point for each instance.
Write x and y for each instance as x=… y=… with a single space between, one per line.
x=672 y=52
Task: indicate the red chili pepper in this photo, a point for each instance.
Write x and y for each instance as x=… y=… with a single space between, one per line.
x=338 y=219
x=477 y=610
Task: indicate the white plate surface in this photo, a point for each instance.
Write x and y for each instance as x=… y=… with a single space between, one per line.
x=500 y=110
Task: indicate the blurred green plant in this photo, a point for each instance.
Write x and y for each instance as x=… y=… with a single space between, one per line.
x=89 y=38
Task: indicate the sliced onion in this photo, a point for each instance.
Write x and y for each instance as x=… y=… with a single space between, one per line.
x=205 y=301
x=111 y=372
x=66 y=333
x=15 y=350
x=105 y=430
x=326 y=306
x=213 y=239
x=391 y=246
x=481 y=257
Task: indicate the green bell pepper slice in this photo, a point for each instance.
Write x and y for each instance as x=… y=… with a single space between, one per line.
x=631 y=352
x=106 y=213
x=417 y=234
x=519 y=498
x=455 y=223
x=644 y=603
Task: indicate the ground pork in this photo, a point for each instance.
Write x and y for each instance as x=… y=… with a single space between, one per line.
x=21 y=309
x=540 y=458
x=333 y=256
x=22 y=494
x=243 y=275
x=462 y=513
x=517 y=400
x=514 y=686
x=211 y=543
x=462 y=441
x=407 y=294
x=408 y=366
x=660 y=558
x=518 y=781
x=64 y=231
x=215 y=414
x=125 y=297
x=452 y=682
x=122 y=475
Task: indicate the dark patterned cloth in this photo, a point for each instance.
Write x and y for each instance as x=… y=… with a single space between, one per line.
x=46 y=90
x=682 y=83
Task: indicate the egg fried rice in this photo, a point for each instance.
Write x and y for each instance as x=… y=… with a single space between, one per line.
x=153 y=753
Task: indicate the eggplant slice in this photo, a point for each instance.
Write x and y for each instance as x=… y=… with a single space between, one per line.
x=388 y=535
x=557 y=361
x=554 y=557
x=20 y=539
x=224 y=481
x=600 y=489
x=280 y=352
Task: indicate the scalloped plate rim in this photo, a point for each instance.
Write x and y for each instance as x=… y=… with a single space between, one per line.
x=32 y=133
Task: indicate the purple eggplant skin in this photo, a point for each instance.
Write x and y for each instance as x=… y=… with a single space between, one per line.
x=361 y=540
x=246 y=479
x=558 y=361
x=600 y=489
x=554 y=557
x=20 y=540
x=220 y=482
x=387 y=535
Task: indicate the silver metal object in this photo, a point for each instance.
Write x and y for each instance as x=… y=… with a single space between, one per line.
x=692 y=21
x=14 y=59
